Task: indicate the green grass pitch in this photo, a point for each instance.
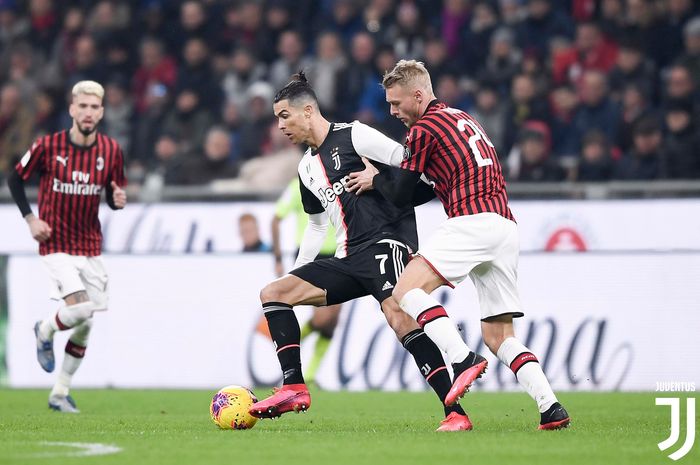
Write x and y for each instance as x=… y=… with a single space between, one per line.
x=164 y=427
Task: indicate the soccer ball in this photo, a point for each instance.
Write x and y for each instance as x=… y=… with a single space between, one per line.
x=229 y=408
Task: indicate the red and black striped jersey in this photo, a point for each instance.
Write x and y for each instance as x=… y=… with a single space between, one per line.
x=72 y=179
x=453 y=151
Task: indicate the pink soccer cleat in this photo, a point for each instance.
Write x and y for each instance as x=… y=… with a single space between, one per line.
x=288 y=398
x=455 y=422
x=464 y=377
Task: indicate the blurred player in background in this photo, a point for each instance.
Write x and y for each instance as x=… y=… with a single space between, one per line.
x=374 y=240
x=74 y=167
x=479 y=239
x=324 y=319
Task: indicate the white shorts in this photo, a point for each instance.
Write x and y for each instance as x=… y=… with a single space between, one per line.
x=72 y=273
x=484 y=247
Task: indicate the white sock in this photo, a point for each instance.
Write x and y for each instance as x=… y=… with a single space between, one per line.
x=75 y=351
x=70 y=316
x=429 y=313
x=527 y=371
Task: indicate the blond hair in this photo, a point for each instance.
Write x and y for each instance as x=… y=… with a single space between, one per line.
x=88 y=88
x=408 y=72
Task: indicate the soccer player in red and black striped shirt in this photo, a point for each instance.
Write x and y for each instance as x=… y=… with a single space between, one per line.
x=74 y=168
x=478 y=240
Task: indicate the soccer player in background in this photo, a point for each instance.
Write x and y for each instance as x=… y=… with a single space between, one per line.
x=479 y=239
x=374 y=241
x=324 y=319
x=74 y=167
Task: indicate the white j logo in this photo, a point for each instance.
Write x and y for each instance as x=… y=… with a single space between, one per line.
x=675 y=404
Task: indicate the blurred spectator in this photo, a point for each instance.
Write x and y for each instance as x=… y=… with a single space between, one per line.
x=16 y=125
x=543 y=23
x=355 y=77
x=46 y=119
x=563 y=105
x=490 y=112
x=451 y=91
x=44 y=25
x=503 y=61
x=378 y=17
x=195 y=72
x=63 y=51
x=590 y=52
x=635 y=106
x=88 y=63
x=690 y=58
x=290 y=61
x=643 y=161
x=278 y=19
x=437 y=60
x=193 y=23
x=511 y=12
x=327 y=65
x=612 y=18
x=232 y=120
x=678 y=14
x=23 y=71
x=156 y=75
x=189 y=119
x=244 y=70
x=408 y=34
x=477 y=37
x=250 y=234
x=596 y=110
x=167 y=165
x=213 y=162
x=13 y=27
x=644 y=24
x=345 y=20
x=275 y=168
x=257 y=118
x=454 y=18
x=530 y=161
x=525 y=104
x=108 y=22
x=595 y=164
x=632 y=68
x=681 y=148
x=119 y=112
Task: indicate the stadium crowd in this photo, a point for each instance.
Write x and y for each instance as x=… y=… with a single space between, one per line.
x=588 y=90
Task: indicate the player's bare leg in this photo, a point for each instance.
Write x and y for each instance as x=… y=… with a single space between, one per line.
x=499 y=336
x=278 y=299
x=413 y=294
x=323 y=321
x=429 y=360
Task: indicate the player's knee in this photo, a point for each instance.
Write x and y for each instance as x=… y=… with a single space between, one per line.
x=273 y=292
x=398 y=293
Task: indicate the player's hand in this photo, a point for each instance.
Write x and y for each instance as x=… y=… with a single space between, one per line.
x=118 y=195
x=39 y=228
x=361 y=181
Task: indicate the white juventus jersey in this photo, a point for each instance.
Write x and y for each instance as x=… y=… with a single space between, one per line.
x=359 y=220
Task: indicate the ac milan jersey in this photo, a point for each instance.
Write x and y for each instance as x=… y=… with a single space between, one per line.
x=453 y=151
x=72 y=179
x=359 y=220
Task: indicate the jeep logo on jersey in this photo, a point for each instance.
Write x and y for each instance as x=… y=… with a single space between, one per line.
x=330 y=193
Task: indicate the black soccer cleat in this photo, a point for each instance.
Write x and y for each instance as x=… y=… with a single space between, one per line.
x=556 y=417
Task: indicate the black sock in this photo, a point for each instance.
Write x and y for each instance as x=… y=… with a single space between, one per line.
x=285 y=332
x=431 y=365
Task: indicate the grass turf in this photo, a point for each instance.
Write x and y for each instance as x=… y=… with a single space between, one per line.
x=173 y=427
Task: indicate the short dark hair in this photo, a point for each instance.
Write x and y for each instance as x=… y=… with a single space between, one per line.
x=296 y=89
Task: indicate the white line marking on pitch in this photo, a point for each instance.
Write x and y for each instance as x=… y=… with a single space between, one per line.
x=86 y=449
